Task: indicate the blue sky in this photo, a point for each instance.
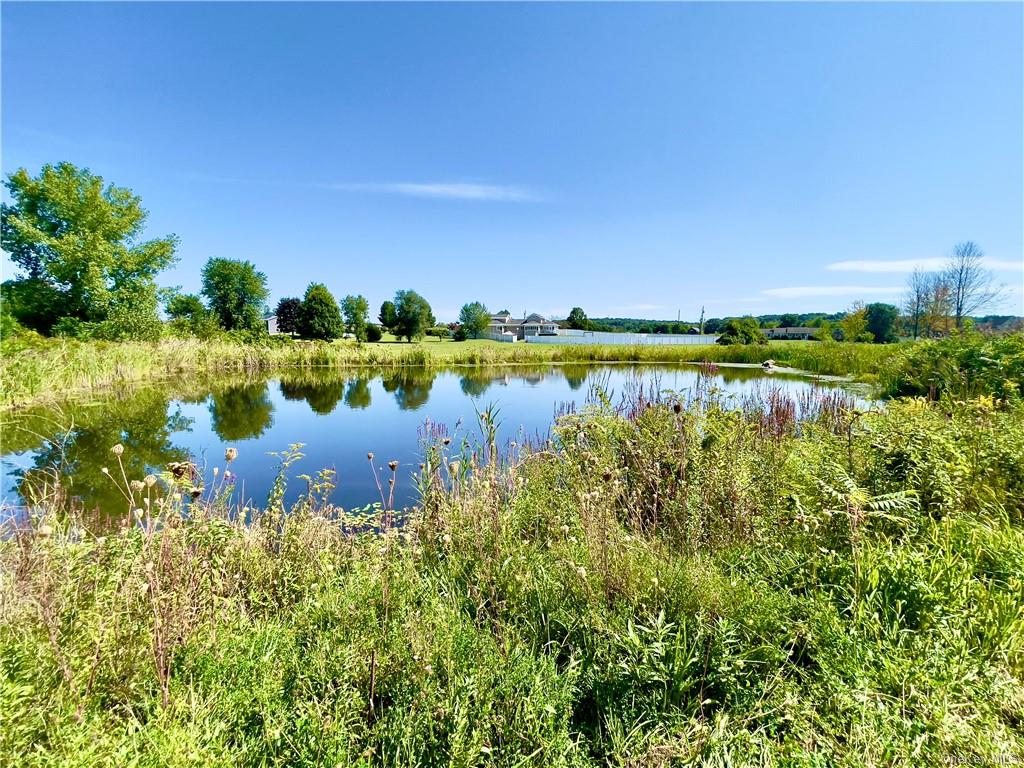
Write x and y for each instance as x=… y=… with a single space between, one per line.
x=636 y=160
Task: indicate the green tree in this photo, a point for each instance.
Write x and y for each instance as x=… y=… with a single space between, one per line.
x=241 y=412
x=287 y=314
x=356 y=310
x=413 y=315
x=474 y=318
x=235 y=291
x=373 y=332
x=578 y=319
x=388 y=317
x=76 y=238
x=789 y=320
x=189 y=316
x=319 y=316
x=854 y=324
x=742 y=330
x=882 y=320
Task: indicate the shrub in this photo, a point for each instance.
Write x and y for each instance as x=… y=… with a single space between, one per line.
x=373 y=332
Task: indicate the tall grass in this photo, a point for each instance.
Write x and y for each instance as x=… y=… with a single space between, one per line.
x=36 y=369
x=790 y=583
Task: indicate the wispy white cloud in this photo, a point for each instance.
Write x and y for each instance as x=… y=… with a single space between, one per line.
x=438 y=190
x=800 y=291
x=443 y=190
x=909 y=265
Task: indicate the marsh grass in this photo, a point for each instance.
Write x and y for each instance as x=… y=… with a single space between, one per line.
x=664 y=582
x=36 y=369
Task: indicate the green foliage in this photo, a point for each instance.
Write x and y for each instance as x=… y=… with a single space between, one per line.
x=657 y=586
x=962 y=365
x=373 y=332
x=743 y=330
x=356 y=310
x=460 y=334
x=388 y=317
x=413 y=315
x=854 y=325
x=287 y=313
x=319 y=316
x=882 y=322
x=578 y=319
x=474 y=319
x=236 y=291
x=190 y=317
x=75 y=239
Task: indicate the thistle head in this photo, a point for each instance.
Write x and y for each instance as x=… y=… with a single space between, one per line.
x=117 y=450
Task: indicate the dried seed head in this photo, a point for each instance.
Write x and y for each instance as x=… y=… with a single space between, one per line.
x=150 y=480
x=105 y=471
x=393 y=465
x=231 y=454
x=216 y=471
x=677 y=406
x=137 y=485
x=447 y=440
x=607 y=475
x=369 y=456
x=446 y=539
x=45 y=530
x=117 y=450
x=196 y=492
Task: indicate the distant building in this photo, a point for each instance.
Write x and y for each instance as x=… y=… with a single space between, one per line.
x=507 y=327
x=271 y=323
x=791 y=333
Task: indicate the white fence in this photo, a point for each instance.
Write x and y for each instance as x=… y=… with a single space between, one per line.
x=509 y=337
x=569 y=336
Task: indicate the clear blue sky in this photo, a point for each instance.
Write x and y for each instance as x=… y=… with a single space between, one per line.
x=634 y=160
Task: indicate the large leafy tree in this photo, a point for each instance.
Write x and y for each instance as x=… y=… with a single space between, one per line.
x=356 y=311
x=287 y=314
x=319 y=316
x=742 y=330
x=412 y=315
x=190 y=316
x=387 y=316
x=235 y=291
x=854 y=324
x=474 y=318
x=77 y=242
x=882 y=321
x=578 y=319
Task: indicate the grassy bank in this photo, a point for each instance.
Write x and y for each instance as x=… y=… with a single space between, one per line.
x=657 y=586
x=36 y=369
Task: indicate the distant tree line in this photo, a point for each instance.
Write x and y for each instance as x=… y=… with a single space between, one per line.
x=85 y=272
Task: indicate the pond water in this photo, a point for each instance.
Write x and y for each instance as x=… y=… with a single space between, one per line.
x=338 y=415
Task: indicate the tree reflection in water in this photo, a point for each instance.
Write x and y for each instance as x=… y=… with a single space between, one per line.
x=410 y=386
x=241 y=411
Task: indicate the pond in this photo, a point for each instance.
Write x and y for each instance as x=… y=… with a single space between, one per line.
x=339 y=416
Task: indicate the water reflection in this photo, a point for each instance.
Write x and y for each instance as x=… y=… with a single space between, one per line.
x=339 y=415
x=243 y=411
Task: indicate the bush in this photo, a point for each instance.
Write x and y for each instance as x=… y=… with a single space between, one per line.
x=373 y=332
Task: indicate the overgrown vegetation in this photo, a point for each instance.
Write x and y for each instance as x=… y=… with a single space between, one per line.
x=665 y=582
x=36 y=368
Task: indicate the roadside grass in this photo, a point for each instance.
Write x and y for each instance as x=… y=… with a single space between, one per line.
x=36 y=369
x=793 y=583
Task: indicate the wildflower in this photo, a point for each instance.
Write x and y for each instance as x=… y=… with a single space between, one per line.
x=565 y=529
x=117 y=450
x=231 y=454
x=447 y=539
x=150 y=481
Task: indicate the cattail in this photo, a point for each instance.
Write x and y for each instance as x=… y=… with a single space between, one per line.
x=117 y=450
x=231 y=454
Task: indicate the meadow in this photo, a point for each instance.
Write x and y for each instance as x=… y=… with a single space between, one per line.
x=657 y=585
